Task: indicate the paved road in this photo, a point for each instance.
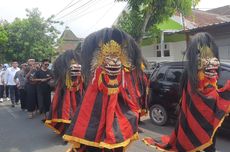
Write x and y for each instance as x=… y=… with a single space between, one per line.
x=20 y=134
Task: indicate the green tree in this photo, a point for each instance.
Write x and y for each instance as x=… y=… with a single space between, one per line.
x=3 y=41
x=130 y=22
x=152 y=13
x=3 y=36
x=32 y=37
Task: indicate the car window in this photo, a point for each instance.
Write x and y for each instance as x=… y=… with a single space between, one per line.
x=153 y=75
x=161 y=73
x=173 y=75
x=224 y=76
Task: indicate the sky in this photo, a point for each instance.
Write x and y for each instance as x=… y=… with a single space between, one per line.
x=84 y=16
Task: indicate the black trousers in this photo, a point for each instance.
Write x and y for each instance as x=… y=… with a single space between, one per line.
x=31 y=97
x=14 y=96
x=6 y=91
x=1 y=91
x=44 y=97
x=22 y=95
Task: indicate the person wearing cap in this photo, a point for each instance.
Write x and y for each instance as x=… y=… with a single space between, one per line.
x=20 y=79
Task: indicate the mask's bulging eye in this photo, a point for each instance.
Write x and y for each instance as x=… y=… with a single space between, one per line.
x=210 y=66
x=112 y=65
x=207 y=62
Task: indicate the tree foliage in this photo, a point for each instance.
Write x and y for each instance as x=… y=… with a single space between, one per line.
x=32 y=37
x=151 y=12
x=130 y=22
x=3 y=36
x=3 y=40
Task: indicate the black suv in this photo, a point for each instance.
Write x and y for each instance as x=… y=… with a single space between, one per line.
x=164 y=91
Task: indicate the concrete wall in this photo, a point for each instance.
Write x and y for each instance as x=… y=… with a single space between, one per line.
x=176 y=52
x=223 y=43
x=176 y=49
x=222 y=38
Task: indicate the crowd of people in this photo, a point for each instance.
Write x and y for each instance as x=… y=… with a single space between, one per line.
x=27 y=84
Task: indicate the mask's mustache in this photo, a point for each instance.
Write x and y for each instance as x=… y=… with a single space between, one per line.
x=112 y=69
x=75 y=70
x=211 y=68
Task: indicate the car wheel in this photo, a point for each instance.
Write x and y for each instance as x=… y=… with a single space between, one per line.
x=158 y=115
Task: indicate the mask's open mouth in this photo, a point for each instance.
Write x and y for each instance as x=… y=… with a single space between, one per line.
x=75 y=70
x=211 y=69
x=112 y=69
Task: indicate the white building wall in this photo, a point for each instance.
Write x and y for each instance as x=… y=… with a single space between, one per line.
x=176 y=52
x=223 y=42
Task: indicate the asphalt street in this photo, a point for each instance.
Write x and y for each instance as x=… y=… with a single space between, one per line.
x=20 y=134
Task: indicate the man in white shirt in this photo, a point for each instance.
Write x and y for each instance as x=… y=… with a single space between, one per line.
x=9 y=80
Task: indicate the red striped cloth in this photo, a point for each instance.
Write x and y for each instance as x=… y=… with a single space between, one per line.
x=200 y=116
x=104 y=120
x=63 y=107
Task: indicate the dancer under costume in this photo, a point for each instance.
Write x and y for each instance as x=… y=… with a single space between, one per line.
x=203 y=105
x=107 y=119
x=68 y=92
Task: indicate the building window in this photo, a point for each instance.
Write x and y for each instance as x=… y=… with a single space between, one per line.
x=157 y=47
x=165 y=46
x=158 y=53
x=166 y=53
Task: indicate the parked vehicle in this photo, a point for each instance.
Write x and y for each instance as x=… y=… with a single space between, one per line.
x=224 y=76
x=150 y=68
x=164 y=87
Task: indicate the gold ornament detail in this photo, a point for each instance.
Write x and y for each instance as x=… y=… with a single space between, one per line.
x=112 y=49
x=206 y=52
x=110 y=91
x=113 y=91
x=68 y=81
x=113 y=82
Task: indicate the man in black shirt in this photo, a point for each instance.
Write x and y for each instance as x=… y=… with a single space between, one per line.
x=42 y=76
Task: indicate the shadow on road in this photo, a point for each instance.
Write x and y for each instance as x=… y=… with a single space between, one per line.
x=147 y=125
x=20 y=134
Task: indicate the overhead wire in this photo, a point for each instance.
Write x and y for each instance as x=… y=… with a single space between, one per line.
x=86 y=13
x=76 y=9
x=64 y=8
x=91 y=8
x=106 y=12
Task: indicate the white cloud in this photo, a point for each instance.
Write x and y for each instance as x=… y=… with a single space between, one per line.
x=210 y=4
x=93 y=16
x=102 y=12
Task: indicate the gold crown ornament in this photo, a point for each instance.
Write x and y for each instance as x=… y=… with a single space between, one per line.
x=111 y=48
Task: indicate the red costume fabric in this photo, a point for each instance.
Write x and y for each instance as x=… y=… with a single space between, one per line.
x=201 y=115
x=107 y=117
x=63 y=107
x=137 y=87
